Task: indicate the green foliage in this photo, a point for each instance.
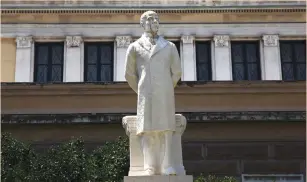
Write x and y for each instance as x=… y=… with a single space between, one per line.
x=212 y=178
x=113 y=160
x=70 y=162
x=16 y=159
x=66 y=163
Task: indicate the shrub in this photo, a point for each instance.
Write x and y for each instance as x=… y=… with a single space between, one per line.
x=112 y=160
x=16 y=159
x=67 y=162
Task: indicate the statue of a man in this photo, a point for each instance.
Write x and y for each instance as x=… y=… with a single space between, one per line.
x=152 y=70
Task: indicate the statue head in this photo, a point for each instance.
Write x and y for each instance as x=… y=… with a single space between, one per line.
x=150 y=22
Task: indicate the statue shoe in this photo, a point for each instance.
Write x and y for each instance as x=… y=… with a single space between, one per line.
x=149 y=172
x=169 y=171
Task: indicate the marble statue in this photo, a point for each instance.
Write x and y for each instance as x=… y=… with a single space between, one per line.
x=152 y=70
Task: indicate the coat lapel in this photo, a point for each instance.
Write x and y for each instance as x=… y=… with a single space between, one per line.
x=161 y=43
x=144 y=45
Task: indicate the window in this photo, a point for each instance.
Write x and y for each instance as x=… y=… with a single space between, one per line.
x=293 y=60
x=98 y=61
x=203 y=60
x=48 y=62
x=245 y=60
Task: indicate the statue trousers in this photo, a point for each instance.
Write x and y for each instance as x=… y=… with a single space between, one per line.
x=156 y=148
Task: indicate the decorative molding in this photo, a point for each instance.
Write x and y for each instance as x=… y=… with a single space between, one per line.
x=48 y=39
x=270 y=40
x=183 y=87
x=187 y=39
x=151 y=3
x=123 y=41
x=181 y=123
x=221 y=40
x=73 y=41
x=129 y=124
x=264 y=116
x=24 y=42
x=167 y=30
x=105 y=8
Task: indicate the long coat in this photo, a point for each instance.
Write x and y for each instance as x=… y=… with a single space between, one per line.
x=153 y=74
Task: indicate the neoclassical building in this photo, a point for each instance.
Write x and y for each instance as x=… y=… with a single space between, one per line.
x=242 y=88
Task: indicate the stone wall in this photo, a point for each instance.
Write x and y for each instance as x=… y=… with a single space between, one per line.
x=8 y=59
x=66 y=98
x=216 y=148
x=235 y=158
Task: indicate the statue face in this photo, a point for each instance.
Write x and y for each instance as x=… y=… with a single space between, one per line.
x=151 y=23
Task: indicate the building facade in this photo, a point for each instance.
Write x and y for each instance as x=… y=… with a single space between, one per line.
x=242 y=87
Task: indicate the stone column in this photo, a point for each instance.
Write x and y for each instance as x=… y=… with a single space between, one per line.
x=24 y=64
x=188 y=58
x=74 y=60
x=122 y=43
x=222 y=69
x=271 y=67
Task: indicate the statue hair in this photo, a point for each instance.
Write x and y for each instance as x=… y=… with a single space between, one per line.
x=145 y=15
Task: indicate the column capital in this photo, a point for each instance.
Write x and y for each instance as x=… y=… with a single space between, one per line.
x=123 y=41
x=270 y=40
x=24 y=42
x=187 y=39
x=221 y=40
x=73 y=41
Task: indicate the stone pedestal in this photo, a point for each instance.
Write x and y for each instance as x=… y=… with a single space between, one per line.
x=136 y=155
x=158 y=178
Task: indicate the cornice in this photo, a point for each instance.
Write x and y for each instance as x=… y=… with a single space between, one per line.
x=105 y=118
x=160 y=10
x=110 y=31
x=122 y=88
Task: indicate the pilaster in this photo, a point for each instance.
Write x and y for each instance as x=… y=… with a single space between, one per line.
x=24 y=64
x=271 y=65
x=188 y=58
x=222 y=69
x=73 y=70
x=122 y=43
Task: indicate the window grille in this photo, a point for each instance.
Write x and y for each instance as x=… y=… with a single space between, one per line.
x=203 y=60
x=293 y=60
x=245 y=60
x=48 y=62
x=98 y=61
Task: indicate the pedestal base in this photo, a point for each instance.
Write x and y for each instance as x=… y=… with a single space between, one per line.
x=136 y=153
x=184 y=178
